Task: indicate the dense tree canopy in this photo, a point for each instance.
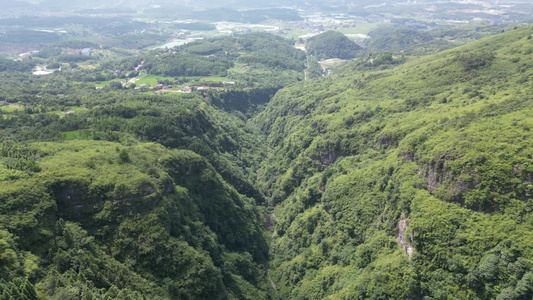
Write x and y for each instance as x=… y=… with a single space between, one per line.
x=413 y=181
x=246 y=174
x=332 y=44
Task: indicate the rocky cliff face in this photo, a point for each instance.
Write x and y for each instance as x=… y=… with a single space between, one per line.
x=429 y=169
x=403 y=238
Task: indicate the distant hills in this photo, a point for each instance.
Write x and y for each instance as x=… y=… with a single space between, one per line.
x=332 y=44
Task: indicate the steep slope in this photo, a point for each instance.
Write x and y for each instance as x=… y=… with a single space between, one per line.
x=96 y=205
x=410 y=182
x=100 y=219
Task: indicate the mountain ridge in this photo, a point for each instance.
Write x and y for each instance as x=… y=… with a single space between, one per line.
x=362 y=148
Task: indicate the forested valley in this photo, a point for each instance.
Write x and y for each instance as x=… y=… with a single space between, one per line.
x=234 y=168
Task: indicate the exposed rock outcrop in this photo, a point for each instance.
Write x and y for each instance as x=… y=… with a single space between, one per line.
x=402 y=239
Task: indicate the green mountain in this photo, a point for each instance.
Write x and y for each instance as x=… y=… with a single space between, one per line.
x=332 y=44
x=413 y=182
x=400 y=178
x=110 y=221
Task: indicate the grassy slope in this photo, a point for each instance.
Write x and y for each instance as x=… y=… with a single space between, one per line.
x=443 y=140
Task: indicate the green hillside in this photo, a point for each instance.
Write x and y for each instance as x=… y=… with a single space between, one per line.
x=410 y=40
x=397 y=177
x=122 y=222
x=332 y=44
x=434 y=155
x=135 y=197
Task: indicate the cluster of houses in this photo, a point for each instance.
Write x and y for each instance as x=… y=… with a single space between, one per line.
x=186 y=89
x=189 y=89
